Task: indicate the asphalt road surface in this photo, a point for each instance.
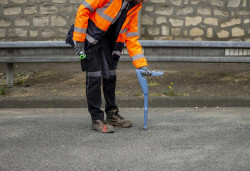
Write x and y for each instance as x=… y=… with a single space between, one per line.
x=176 y=139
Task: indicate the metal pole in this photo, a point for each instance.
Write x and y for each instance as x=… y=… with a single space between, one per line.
x=10 y=74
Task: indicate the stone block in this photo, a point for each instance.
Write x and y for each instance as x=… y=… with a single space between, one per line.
x=33 y=33
x=12 y=10
x=176 y=22
x=3 y=1
x=154 y=31
x=48 y=33
x=38 y=1
x=204 y=11
x=176 y=2
x=186 y=2
x=182 y=39
x=41 y=21
x=147 y=20
x=48 y=10
x=158 y=1
x=4 y=22
x=233 y=3
x=176 y=31
x=219 y=3
x=163 y=38
x=160 y=20
x=75 y=1
x=22 y=22
x=58 y=21
x=244 y=3
x=163 y=10
x=243 y=12
x=196 y=32
x=209 y=32
x=199 y=39
x=59 y=1
x=17 y=32
x=19 y=1
x=221 y=13
x=63 y=31
x=211 y=21
x=197 y=1
x=237 y=32
x=165 y=30
x=184 y=11
x=223 y=34
x=246 y=21
x=234 y=21
x=149 y=8
x=2 y=32
x=30 y=10
x=68 y=9
x=193 y=21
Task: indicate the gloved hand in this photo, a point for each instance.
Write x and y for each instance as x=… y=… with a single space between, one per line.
x=79 y=48
x=147 y=72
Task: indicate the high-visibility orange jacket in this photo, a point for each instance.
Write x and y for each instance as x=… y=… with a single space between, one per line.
x=93 y=19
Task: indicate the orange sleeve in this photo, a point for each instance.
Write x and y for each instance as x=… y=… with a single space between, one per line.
x=133 y=45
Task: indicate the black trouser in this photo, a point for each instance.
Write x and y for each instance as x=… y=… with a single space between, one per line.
x=101 y=67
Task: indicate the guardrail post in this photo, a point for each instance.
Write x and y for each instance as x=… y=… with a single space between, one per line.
x=10 y=74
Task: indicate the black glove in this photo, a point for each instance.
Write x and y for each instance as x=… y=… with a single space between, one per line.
x=79 y=48
x=146 y=71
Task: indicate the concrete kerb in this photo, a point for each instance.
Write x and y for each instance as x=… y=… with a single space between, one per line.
x=124 y=102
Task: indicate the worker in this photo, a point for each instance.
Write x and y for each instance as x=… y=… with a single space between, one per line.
x=101 y=28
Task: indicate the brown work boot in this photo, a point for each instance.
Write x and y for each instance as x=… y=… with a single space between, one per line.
x=113 y=118
x=102 y=126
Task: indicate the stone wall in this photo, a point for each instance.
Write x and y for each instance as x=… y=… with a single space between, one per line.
x=39 y=20
x=42 y=20
x=196 y=20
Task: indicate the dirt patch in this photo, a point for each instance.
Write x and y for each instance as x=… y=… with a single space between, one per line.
x=180 y=79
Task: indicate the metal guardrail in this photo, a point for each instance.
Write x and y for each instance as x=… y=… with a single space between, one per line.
x=170 y=51
x=144 y=43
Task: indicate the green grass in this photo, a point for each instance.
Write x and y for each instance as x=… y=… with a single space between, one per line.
x=19 y=82
x=119 y=93
x=170 y=92
x=153 y=83
x=2 y=91
x=49 y=85
x=155 y=94
x=137 y=94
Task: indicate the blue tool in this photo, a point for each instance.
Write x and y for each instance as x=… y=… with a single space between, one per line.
x=144 y=86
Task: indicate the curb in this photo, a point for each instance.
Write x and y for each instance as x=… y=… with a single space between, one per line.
x=124 y=102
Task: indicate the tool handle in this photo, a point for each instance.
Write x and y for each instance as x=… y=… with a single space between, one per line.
x=82 y=55
x=157 y=73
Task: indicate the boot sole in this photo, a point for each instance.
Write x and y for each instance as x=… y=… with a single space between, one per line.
x=93 y=128
x=120 y=125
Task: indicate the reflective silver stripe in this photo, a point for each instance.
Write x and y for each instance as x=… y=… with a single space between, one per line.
x=105 y=16
x=116 y=53
x=112 y=72
x=100 y=11
x=94 y=74
x=80 y=30
x=138 y=56
x=90 y=39
x=124 y=30
x=132 y=34
x=87 y=5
